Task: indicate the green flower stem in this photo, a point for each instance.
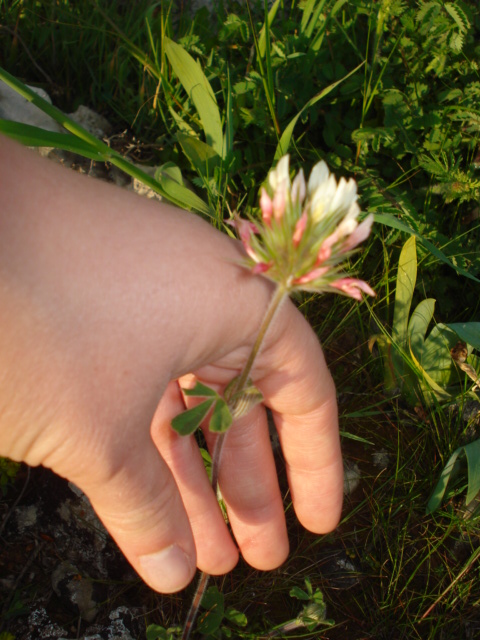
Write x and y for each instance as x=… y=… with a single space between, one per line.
x=279 y=295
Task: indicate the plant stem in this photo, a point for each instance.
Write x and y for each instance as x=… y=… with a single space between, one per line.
x=195 y=604
x=278 y=297
x=276 y=300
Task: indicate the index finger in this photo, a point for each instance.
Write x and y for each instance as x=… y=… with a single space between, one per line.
x=298 y=388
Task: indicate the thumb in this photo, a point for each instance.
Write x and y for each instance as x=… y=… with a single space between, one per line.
x=139 y=503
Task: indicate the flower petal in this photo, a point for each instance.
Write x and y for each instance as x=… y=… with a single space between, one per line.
x=360 y=234
x=311 y=275
x=246 y=229
x=300 y=227
x=299 y=188
x=279 y=204
x=318 y=175
x=266 y=205
x=279 y=178
x=352 y=287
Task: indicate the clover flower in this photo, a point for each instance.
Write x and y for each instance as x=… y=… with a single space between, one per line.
x=307 y=231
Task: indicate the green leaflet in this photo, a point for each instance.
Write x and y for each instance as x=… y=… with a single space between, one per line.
x=188 y=422
x=221 y=419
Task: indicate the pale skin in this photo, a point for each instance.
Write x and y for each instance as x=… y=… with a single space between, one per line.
x=106 y=300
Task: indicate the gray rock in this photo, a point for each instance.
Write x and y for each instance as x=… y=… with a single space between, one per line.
x=125 y=624
x=40 y=626
x=77 y=591
x=92 y=121
x=14 y=107
x=351 y=477
x=26 y=517
x=381 y=459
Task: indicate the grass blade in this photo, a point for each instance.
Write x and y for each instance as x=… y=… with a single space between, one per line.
x=390 y=221
x=284 y=142
x=183 y=197
x=35 y=137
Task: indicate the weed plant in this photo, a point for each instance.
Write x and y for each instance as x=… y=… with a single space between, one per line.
x=386 y=91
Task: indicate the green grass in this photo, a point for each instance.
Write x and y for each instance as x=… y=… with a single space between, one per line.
x=385 y=91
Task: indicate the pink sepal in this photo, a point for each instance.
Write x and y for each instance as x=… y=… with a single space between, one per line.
x=261 y=267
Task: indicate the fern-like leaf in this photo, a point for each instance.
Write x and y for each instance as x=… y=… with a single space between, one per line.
x=458 y=15
x=456 y=42
x=425 y=12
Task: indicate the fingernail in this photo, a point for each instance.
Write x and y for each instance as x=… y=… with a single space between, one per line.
x=168 y=570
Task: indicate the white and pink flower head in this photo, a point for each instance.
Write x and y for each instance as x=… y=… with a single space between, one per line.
x=306 y=232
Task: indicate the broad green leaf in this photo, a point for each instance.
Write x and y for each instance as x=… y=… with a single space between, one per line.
x=201 y=390
x=469 y=332
x=441 y=487
x=472 y=452
x=418 y=325
x=221 y=419
x=182 y=125
x=213 y=597
x=237 y=617
x=406 y=279
x=429 y=384
x=436 y=358
x=195 y=83
x=188 y=422
x=284 y=142
x=211 y=619
x=169 y=177
x=171 y=170
x=156 y=632
x=36 y=137
x=391 y=221
x=203 y=157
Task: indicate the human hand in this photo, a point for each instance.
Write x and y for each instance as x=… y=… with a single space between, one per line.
x=107 y=300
